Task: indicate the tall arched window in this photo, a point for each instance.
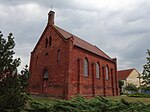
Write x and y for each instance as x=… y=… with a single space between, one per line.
x=58 y=55
x=86 y=67
x=46 y=43
x=97 y=70
x=107 y=73
x=50 y=41
x=45 y=76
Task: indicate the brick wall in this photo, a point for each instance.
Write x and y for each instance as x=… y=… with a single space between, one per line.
x=89 y=86
x=66 y=78
x=46 y=58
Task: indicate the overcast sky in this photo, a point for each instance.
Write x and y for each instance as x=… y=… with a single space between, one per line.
x=121 y=28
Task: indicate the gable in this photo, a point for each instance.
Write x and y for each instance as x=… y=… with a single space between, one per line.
x=123 y=74
x=48 y=33
x=133 y=75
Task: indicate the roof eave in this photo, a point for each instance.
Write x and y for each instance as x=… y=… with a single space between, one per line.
x=94 y=53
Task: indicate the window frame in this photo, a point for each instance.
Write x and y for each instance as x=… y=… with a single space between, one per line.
x=97 y=70
x=45 y=74
x=58 y=56
x=86 y=67
x=46 y=42
x=50 y=41
x=107 y=73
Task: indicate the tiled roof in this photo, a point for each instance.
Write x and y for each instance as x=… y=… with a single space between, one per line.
x=123 y=74
x=82 y=44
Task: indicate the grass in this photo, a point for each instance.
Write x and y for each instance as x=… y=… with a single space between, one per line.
x=130 y=99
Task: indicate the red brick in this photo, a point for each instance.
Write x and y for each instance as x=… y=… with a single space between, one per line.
x=66 y=78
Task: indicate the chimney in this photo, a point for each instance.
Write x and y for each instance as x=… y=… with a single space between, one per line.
x=51 y=15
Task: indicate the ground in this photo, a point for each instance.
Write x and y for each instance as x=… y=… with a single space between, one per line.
x=130 y=99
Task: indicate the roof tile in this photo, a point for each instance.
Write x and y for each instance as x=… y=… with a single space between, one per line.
x=82 y=44
x=123 y=74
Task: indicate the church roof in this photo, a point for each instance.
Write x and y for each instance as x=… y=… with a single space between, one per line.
x=82 y=44
x=123 y=74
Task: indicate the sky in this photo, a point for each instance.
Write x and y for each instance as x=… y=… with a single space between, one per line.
x=121 y=28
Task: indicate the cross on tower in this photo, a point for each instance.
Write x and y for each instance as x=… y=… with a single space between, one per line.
x=51 y=7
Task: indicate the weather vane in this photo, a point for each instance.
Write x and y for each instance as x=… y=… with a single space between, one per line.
x=51 y=5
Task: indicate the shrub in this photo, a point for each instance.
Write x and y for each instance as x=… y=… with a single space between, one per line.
x=97 y=104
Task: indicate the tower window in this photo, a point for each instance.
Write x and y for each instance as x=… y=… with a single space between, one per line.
x=46 y=43
x=50 y=41
x=58 y=55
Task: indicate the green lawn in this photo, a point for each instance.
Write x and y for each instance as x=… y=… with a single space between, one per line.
x=130 y=99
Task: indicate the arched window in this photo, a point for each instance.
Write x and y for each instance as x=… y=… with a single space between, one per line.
x=50 y=41
x=107 y=73
x=97 y=70
x=45 y=76
x=58 y=55
x=86 y=67
x=46 y=43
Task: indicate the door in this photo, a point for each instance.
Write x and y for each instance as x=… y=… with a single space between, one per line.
x=45 y=86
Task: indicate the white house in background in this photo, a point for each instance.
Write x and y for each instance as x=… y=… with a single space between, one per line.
x=129 y=76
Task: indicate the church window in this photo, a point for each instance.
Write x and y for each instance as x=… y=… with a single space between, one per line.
x=58 y=55
x=86 y=67
x=50 y=41
x=97 y=70
x=45 y=76
x=46 y=43
x=107 y=73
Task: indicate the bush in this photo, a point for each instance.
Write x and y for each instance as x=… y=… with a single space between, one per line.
x=97 y=104
x=131 y=87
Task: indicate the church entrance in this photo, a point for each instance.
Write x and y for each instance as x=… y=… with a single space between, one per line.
x=45 y=86
x=45 y=82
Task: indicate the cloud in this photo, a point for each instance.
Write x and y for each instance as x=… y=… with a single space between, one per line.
x=120 y=28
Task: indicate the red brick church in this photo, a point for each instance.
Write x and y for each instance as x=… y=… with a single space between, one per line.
x=62 y=65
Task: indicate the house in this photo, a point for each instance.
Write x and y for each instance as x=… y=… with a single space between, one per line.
x=129 y=76
x=62 y=65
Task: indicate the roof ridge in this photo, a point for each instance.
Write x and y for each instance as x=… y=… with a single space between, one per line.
x=82 y=43
x=126 y=69
x=78 y=37
x=102 y=51
x=63 y=30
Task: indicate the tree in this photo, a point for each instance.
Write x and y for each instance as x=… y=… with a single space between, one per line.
x=121 y=83
x=132 y=88
x=12 y=85
x=146 y=72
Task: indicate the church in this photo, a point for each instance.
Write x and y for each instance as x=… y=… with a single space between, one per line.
x=62 y=66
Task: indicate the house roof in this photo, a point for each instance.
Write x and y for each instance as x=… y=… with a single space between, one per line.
x=81 y=43
x=123 y=74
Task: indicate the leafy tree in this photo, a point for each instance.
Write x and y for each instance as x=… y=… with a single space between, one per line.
x=121 y=83
x=12 y=85
x=131 y=87
x=146 y=71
